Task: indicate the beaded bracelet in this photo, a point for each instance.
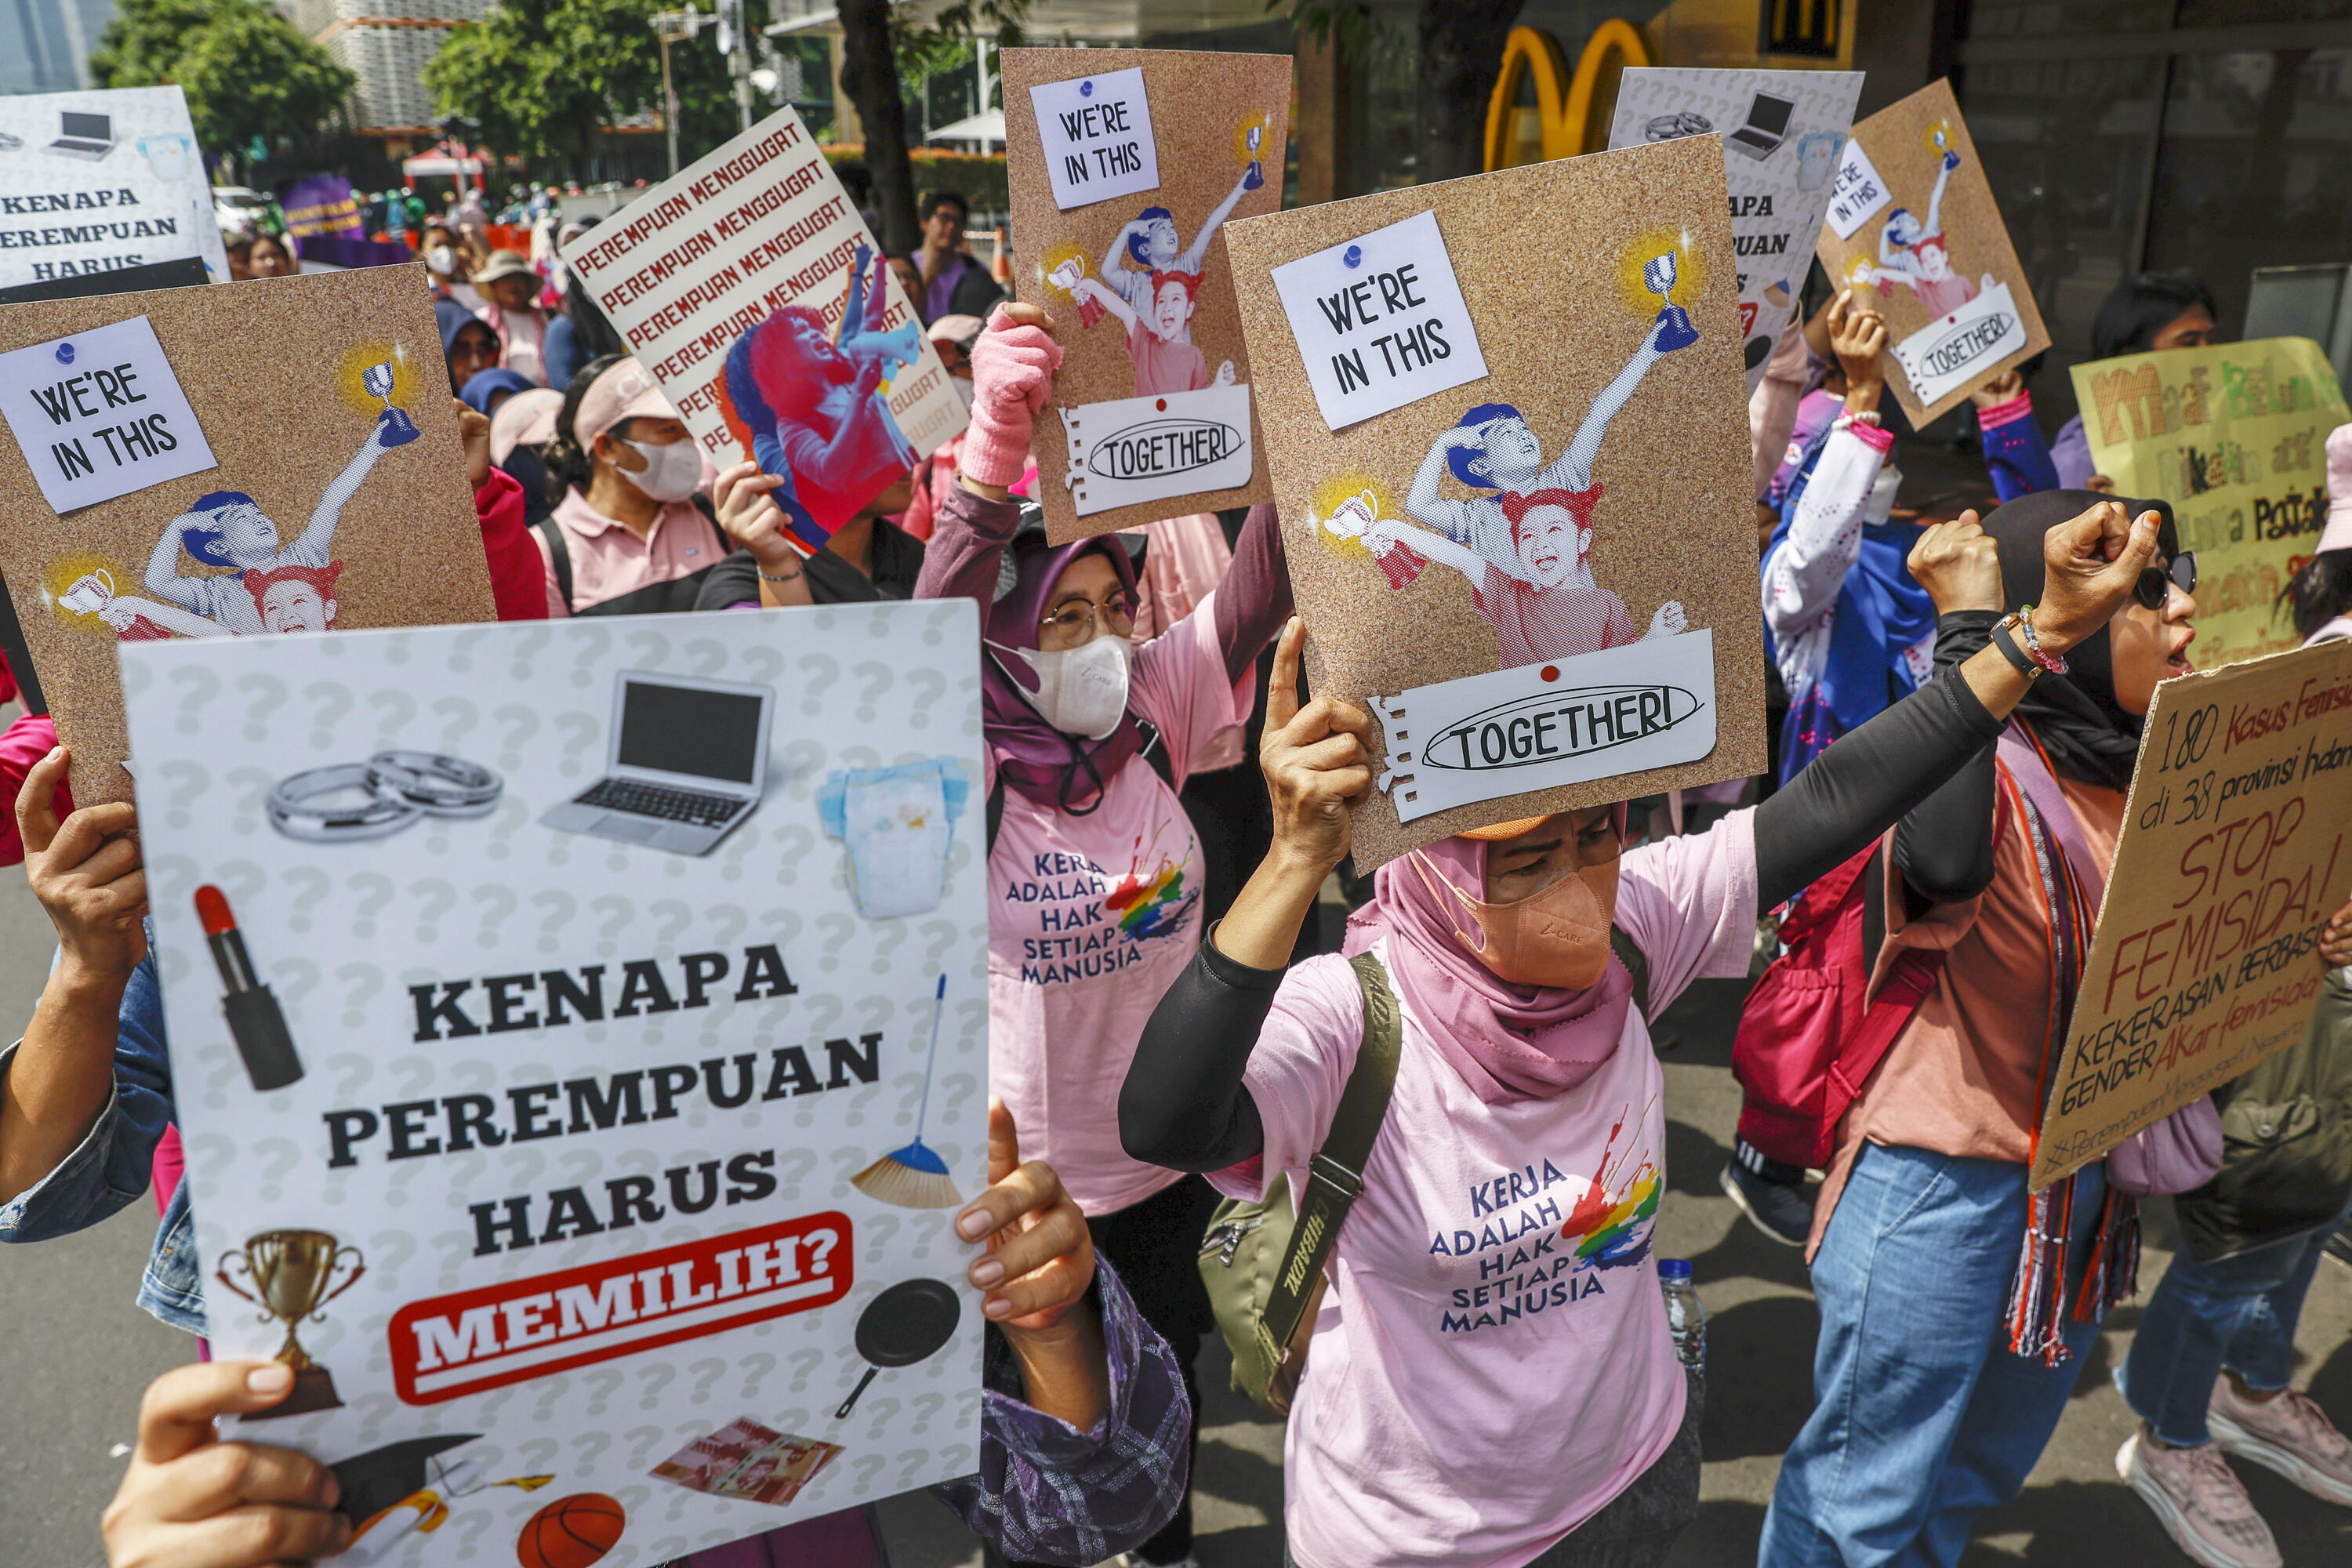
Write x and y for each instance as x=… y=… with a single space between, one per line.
x=2034 y=648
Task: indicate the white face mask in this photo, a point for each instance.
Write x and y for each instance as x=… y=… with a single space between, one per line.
x=1881 y=504
x=1080 y=690
x=671 y=472
x=441 y=260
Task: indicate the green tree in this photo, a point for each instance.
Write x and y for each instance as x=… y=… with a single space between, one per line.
x=248 y=75
x=541 y=78
x=880 y=53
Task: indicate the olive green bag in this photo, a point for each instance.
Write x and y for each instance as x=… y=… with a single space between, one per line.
x=1262 y=1263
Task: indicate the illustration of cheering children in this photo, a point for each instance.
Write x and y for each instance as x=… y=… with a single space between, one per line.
x=1919 y=257
x=290 y=598
x=1149 y=240
x=1159 y=341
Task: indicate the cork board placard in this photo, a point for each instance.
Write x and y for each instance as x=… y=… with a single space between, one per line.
x=1153 y=413
x=1558 y=266
x=1914 y=230
x=276 y=372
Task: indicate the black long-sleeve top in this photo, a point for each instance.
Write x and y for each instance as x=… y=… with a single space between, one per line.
x=1185 y=1107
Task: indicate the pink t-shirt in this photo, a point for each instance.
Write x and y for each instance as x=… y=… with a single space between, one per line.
x=1533 y=623
x=1492 y=1363
x=1091 y=920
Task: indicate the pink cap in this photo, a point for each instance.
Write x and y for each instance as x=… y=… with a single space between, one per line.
x=2337 y=536
x=525 y=419
x=626 y=391
x=954 y=329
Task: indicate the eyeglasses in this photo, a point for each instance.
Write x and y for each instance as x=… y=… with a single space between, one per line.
x=2155 y=583
x=1079 y=615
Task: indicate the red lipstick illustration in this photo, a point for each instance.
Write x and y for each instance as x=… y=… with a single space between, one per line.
x=254 y=1020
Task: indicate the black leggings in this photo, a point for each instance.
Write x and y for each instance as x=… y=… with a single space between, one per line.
x=1156 y=1246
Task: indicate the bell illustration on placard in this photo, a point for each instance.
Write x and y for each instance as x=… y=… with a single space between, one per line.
x=398 y=428
x=293 y=1272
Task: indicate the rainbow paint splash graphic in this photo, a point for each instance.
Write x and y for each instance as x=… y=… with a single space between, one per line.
x=1152 y=906
x=1610 y=1227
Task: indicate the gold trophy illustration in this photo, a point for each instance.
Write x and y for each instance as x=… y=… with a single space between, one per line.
x=398 y=428
x=293 y=1270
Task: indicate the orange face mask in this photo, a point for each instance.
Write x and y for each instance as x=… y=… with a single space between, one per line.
x=1557 y=937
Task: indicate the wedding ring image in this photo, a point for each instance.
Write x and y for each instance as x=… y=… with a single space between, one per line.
x=315 y=806
x=437 y=782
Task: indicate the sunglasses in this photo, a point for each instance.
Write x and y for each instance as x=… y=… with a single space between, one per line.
x=2155 y=583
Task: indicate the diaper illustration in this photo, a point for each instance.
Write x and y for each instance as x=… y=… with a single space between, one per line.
x=898 y=824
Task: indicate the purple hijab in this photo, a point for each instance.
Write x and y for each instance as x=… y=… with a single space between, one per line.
x=1508 y=1042
x=1052 y=769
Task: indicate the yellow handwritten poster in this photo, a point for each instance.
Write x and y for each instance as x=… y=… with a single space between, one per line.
x=2234 y=435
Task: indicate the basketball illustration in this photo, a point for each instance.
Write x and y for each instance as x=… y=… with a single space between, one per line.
x=571 y=1531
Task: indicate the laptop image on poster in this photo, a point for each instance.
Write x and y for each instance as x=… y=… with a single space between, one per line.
x=1766 y=127
x=685 y=766
x=88 y=136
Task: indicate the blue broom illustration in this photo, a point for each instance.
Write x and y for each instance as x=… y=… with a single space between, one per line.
x=915 y=1177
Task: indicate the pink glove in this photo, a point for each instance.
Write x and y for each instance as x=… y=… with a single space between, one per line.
x=1012 y=380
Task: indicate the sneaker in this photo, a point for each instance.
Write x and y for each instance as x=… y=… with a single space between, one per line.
x=2290 y=1434
x=2200 y=1501
x=1781 y=1210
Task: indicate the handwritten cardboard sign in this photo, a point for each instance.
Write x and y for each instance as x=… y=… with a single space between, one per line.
x=598 y=1180
x=95 y=182
x=1541 y=582
x=2236 y=849
x=1153 y=414
x=332 y=493
x=1925 y=244
x=2235 y=437
x=1782 y=133
x=101 y=415
x=751 y=288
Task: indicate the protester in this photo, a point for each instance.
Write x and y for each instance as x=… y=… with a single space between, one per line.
x=2212 y=1364
x=466 y=342
x=446 y=267
x=2154 y=312
x=865 y=561
x=1524 y=1408
x=520 y=431
x=934 y=477
x=627 y=535
x=580 y=330
x=510 y=289
x=485 y=391
x=1078 y=726
x=954 y=284
x=237 y=243
x=1926 y=1252
x=271 y=255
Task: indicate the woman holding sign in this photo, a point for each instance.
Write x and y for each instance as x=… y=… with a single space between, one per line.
x=1491 y=1377
x=1094 y=873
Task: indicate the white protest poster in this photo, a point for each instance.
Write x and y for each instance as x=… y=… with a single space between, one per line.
x=101 y=415
x=1859 y=194
x=92 y=182
x=1097 y=136
x=1783 y=133
x=1379 y=321
x=581 y=1041
x=748 y=286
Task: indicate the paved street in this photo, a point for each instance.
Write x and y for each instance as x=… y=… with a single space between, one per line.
x=80 y=1352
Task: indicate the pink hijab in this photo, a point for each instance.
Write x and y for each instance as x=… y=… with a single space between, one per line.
x=1508 y=1042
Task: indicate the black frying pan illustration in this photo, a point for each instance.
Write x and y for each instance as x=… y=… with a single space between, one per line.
x=906 y=1323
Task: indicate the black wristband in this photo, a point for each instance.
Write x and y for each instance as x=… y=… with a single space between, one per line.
x=2017 y=656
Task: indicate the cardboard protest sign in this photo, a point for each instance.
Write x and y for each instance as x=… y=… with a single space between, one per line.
x=2236 y=849
x=580 y=1037
x=91 y=181
x=748 y=285
x=152 y=486
x=2235 y=437
x=1126 y=165
x=1542 y=582
x=1781 y=132
x=1913 y=229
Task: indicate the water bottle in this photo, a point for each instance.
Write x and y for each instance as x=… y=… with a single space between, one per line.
x=1684 y=1316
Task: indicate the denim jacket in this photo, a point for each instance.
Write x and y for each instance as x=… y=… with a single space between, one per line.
x=114 y=1162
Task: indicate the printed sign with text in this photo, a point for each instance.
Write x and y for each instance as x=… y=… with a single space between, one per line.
x=1531 y=576
x=557 y=1104
x=1152 y=407
x=101 y=415
x=751 y=288
x=2236 y=849
x=2235 y=437
x=95 y=182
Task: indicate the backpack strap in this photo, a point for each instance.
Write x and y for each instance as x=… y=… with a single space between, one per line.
x=1636 y=964
x=558 y=555
x=1335 y=1174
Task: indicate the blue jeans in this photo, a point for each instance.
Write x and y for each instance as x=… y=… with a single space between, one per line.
x=2237 y=1312
x=1922 y=1416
